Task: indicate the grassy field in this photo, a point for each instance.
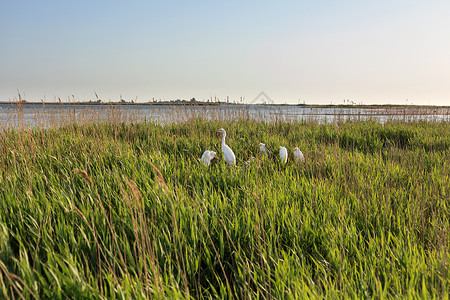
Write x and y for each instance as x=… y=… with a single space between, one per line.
x=122 y=211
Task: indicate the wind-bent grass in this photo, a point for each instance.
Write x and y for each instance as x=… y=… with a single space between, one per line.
x=115 y=211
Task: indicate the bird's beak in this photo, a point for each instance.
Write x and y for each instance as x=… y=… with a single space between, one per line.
x=217 y=157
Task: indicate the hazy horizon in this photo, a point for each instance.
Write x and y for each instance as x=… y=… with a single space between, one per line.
x=324 y=52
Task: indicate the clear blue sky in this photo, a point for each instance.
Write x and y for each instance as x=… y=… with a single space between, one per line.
x=307 y=51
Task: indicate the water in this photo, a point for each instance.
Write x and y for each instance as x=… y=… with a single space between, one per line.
x=48 y=115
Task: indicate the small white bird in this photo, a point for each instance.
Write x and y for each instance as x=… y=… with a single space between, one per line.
x=228 y=154
x=262 y=148
x=298 y=155
x=283 y=154
x=250 y=160
x=207 y=157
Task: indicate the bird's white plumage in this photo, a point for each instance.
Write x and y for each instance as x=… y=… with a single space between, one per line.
x=207 y=157
x=250 y=160
x=264 y=151
x=228 y=154
x=298 y=155
x=283 y=154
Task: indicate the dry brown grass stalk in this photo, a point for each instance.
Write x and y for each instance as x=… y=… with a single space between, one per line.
x=143 y=247
x=159 y=177
x=134 y=189
x=85 y=175
x=80 y=213
x=17 y=288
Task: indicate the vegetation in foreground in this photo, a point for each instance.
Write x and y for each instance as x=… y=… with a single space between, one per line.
x=116 y=211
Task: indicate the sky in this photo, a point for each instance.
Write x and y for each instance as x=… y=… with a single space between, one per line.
x=314 y=52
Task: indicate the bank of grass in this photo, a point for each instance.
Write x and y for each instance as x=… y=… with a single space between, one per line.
x=116 y=211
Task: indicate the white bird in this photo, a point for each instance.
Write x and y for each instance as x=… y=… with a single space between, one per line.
x=262 y=148
x=207 y=157
x=250 y=160
x=228 y=154
x=283 y=154
x=298 y=155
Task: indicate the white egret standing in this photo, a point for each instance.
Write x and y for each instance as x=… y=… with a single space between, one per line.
x=228 y=154
x=262 y=148
x=207 y=157
x=298 y=155
x=283 y=154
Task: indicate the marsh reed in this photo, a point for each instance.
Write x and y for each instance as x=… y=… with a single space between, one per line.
x=100 y=206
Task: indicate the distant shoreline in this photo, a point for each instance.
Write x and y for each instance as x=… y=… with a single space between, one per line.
x=174 y=103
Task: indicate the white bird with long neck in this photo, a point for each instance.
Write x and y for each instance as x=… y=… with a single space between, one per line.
x=228 y=154
x=283 y=155
x=207 y=157
x=298 y=155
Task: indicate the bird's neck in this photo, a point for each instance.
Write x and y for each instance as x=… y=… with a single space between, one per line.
x=223 y=140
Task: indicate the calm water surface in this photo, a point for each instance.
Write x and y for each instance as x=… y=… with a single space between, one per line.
x=45 y=115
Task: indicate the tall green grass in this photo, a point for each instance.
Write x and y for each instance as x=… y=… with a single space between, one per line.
x=120 y=211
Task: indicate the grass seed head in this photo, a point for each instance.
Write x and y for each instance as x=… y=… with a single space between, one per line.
x=85 y=175
x=159 y=177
